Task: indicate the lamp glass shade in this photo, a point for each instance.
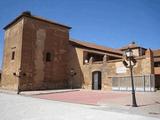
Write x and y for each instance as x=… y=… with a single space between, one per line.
x=129 y=53
x=86 y=61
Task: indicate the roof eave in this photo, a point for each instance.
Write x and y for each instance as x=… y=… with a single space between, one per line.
x=132 y=48
x=12 y=22
x=83 y=46
x=34 y=17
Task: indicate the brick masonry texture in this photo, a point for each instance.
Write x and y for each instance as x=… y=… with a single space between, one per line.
x=31 y=39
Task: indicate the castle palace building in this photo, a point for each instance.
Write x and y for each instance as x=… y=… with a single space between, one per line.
x=40 y=55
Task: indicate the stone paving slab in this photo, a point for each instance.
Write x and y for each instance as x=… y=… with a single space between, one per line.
x=82 y=96
x=149 y=103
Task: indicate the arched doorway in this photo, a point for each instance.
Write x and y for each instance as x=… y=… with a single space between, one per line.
x=96 y=80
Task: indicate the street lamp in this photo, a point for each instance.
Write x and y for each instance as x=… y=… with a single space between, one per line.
x=132 y=62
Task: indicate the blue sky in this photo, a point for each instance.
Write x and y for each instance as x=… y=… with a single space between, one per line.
x=112 y=23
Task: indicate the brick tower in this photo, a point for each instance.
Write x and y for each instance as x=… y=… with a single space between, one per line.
x=35 y=54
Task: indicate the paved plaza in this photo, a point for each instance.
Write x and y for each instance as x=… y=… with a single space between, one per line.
x=18 y=107
x=84 y=96
x=100 y=97
x=148 y=102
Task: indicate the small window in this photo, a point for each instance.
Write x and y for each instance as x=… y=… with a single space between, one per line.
x=13 y=55
x=48 y=57
x=157 y=64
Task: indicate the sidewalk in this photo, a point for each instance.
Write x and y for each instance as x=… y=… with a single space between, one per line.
x=41 y=92
x=38 y=92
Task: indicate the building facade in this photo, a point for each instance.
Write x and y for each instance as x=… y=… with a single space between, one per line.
x=39 y=55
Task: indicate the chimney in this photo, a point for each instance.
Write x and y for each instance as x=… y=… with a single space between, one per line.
x=26 y=13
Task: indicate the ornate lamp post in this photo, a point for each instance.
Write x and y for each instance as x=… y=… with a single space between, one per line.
x=132 y=62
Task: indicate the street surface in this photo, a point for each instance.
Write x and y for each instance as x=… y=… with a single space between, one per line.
x=18 y=107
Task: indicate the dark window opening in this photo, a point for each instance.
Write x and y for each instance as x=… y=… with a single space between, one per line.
x=157 y=64
x=112 y=58
x=142 y=52
x=13 y=55
x=96 y=57
x=48 y=57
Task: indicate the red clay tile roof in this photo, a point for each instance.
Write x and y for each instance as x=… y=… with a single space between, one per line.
x=27 y=14
x=131 y=45
x=156 y=52
x=94 y=46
